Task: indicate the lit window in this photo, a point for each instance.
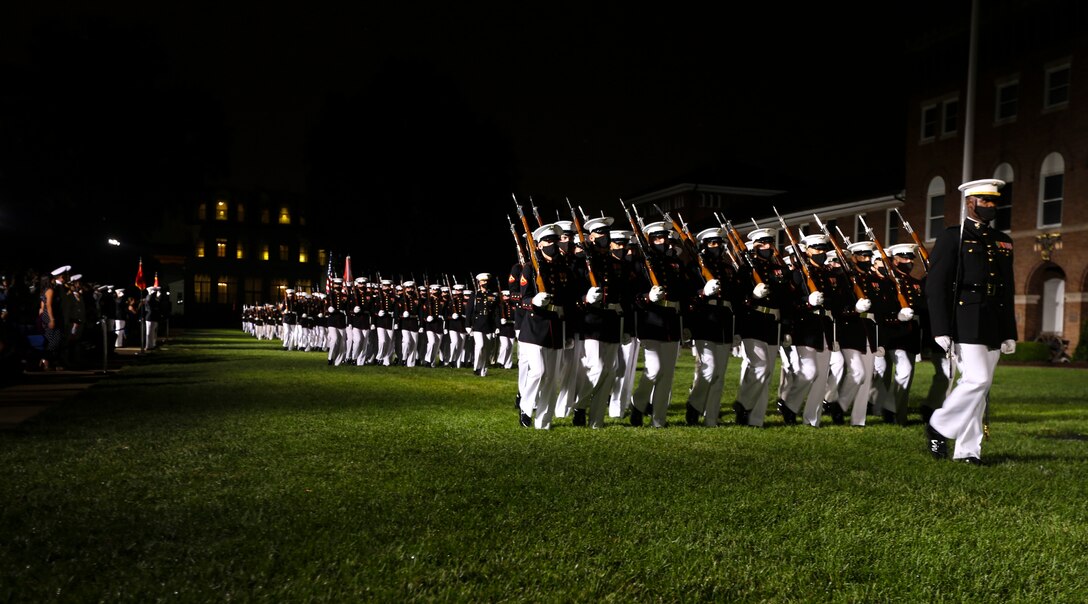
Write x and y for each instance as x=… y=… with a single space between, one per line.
x=285 y=253
x=264 y=251
x=929 y=122
x=241 y=251
x=279 y=288
x=264 y=215
x=202 y=211
x=1008 y=100
x=199 y=248
x=240 y=211
x=202 y=288
x=1057 y=86
x=302 y=256
x=304 y=285
x=285 y=215
x=1051 y=192
x=220 y=210
x=221 y=248
x=935 y=208
x=225 y=290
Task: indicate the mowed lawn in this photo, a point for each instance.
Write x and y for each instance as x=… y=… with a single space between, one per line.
x=222 y=468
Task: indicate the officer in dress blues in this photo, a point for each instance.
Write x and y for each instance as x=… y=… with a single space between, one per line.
x=970 y=294
x=904 y=340
x=481 y=310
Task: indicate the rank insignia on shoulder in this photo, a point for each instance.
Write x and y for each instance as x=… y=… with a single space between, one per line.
x=524 y=282
x=1005 y=245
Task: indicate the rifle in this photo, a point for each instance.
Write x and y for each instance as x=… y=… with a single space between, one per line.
x=922 y=253
x=742 y=250
x=903 y=303
x=801 y=261
x=517 y=241
x=643 y=247
x=858 y=292
x=536 y=212
x=686 y=237
x=774 y=248
x=531 y=244
x=582 y=242
x=728 y=245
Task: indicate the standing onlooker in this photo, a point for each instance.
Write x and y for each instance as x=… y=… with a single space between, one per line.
x=50 y=319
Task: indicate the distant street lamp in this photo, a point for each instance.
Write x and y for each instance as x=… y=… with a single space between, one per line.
x=113 y=242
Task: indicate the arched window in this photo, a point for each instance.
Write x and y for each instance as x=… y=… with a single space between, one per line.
x=221 y=210
x=1051 y=191
x=285 y=215
x=935 y=208
x=1003 y=221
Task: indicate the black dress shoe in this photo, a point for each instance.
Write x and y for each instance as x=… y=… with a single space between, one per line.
x=789 y=417
x=636 y=417
x=691 y=416
x=741 y=412
x=833 y=409
x=579 y=417
x=937 y=443
x=974 y=461
x=888 y=416
x=526 y=421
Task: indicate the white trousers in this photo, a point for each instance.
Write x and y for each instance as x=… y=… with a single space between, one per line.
x=434 y=343
x=790 y=366
x=810 y=383
x=595 y=389
x=337 y=340
x=483 y=351
x=708 y=383
x=755 y=380
x=570 y=369
x=623 y=383
x=505 y=358
x=857 y=379
x=385 y=346
x=655 y=385
x=541 y=383
x=835 y=368
x=960 y=417
x=409 y=346
x=457 y=348
x=119 y=330
x=151 y=328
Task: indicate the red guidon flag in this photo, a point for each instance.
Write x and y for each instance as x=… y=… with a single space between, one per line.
x=140 y=275
x=347 y=270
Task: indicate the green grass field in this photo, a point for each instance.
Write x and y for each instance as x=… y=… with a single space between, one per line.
x=225 y=469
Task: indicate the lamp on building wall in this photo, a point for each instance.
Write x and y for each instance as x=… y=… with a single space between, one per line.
x=1045 y=243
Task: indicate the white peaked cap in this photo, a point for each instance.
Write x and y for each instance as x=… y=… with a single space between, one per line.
x=986 y=186
x=620 y=234
x=387 y=282
x=598 y=223
x=711 y=233
x=655 y=227
x=76 y=277
x=548 y=230
x=458 y=286
x=566 y=225
x=815 y=239
x=483 y=276
x=61 y=270
x=762 y=233
x=901 y=248
x=862 y=246
x=409 y=284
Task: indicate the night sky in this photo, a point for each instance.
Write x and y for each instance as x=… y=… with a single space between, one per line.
x=434 y=113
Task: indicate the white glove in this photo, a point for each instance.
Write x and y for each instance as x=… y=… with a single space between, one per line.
x=736 y=340
x=420 y=330
x=657 y=293
x=455 y=316
x=1008 y=347
x=405 y=314
x=373 y=327
x=816 y=299
x=381 y=313
x=787 y=340
x=594 y=295
x=880 y=351
x=542 y=299
x=863 y=305
x=906 y=314
x=761 y=291
x=470 y=331
x=712 y=287
x=430 y=318
x=944 y=342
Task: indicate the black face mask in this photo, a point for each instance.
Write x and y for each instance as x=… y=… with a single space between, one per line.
x=549 y=249
x=766 y=254
x=564 y=246
x=905 y=267
x=986 y=213
x=864 y=265
x=601 y=243
x=883 y=271
x=619 y=253
x=819 y=259
x=660 y=248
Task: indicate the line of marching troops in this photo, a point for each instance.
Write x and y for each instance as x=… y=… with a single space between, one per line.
x=362 y=322
x=844 y=335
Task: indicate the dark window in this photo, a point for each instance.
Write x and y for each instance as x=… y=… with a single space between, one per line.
x=929 y=122
x=1057 y=86
x=1003 y=221
x=1052 y=200
x=1008 y=97
x=951 y=117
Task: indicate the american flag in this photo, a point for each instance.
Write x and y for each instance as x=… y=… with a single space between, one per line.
x=329 y=275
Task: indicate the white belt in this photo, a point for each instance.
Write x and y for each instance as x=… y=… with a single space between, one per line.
x=555 y=309
x=672 y=305
x=867 y=315
x=614 y=307
x=717 y=302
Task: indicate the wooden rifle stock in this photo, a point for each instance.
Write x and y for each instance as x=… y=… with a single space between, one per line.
x=903 y=303
x=858 y=292
x=517 y=241
x=922 y=253
x=532 y=247
x=640 y=240
x=802 y=261
x=582 y=242
x=692 y=246
x=738 y=243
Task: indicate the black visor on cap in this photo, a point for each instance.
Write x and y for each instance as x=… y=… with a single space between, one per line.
x=821 y=247
x=765 y=240
x=908 y=255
